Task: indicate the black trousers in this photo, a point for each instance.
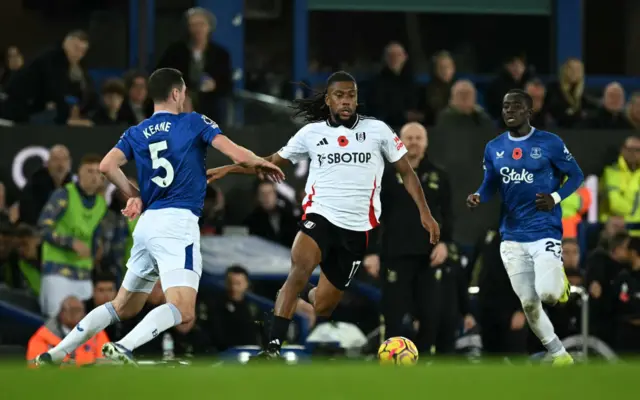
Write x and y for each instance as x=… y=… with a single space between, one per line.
x=497 y=336
x=413 y=289
x=627 y=338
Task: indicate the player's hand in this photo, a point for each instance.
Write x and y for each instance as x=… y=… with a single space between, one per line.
x=81 y=248
x=473 y=200
x=517 y=321
x=215 y=174
x=439 y=254
x=372 y=265
x=544 y=202
x=469 y=322
x=431 y=225
x=133 y=208
x=268 y=171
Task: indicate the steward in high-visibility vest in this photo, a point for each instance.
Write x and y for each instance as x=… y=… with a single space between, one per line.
x=71 y=226
x=573 y=208
x=620 y=194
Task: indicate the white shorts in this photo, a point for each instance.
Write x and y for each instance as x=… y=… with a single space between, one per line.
x=166 y=244
x=537 y=257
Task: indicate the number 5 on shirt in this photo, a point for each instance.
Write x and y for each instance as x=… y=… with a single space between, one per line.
x=160 y=162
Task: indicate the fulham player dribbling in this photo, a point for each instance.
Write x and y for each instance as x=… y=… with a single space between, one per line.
x=347 y=155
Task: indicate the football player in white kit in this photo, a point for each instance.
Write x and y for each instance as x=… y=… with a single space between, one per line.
x=347 y=154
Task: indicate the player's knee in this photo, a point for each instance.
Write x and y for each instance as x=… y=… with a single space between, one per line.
x=549 y=290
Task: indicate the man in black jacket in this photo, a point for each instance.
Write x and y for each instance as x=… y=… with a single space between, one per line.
x=419 y=279
x=205 y=65
x=55 y=174
x=55 y=80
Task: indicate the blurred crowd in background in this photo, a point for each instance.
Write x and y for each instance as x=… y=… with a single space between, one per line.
x=38 y=237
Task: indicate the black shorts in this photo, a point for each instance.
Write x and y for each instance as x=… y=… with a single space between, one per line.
x=342 y=249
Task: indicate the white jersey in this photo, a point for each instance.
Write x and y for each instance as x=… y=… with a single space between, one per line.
x=345 y=169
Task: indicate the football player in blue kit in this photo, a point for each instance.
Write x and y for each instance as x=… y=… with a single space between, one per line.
x=170 y=151
x=528 y=167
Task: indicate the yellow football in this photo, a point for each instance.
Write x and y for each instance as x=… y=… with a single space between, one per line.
x=399 y=351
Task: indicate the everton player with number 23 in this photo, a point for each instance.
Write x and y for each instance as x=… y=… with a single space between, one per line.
x=528 y=166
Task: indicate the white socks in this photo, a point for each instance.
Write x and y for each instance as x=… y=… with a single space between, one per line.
x=157 y=321
x=97 y=320
x=543 y=328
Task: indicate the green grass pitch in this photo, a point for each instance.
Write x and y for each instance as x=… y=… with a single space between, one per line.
x=326 y=381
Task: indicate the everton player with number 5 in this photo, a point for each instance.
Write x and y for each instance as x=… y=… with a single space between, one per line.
x=528 y=166
x=169 y=150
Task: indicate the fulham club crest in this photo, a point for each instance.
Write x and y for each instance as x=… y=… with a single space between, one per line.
x=361 y=136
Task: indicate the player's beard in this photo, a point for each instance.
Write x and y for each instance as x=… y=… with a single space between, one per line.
x=345 y=122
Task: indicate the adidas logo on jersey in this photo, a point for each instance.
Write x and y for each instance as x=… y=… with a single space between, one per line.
x=323 y=142
x=510 y=175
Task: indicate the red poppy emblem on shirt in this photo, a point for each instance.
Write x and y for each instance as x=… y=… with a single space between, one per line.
x=517 y=153
x=343 y=141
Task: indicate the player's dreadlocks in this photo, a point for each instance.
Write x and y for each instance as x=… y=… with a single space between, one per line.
x=314 y=108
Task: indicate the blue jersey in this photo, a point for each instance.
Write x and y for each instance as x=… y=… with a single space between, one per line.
x=170 y=151
x=522 y=167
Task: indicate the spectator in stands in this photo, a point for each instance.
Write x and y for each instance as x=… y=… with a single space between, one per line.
x=56 y=80
x=602 y=267
x=70 y=224
x=571 y=259
x=205 y=65
x=24 y=262
x=212 y=220
x=12 y=62
x=541 y=118
x=513 y=75
x=4 y=211
x=55 y=329
x=463 y=111
x=574 y=207
x=233 y=316
x=438 y=90
x=393 y=91
x=567 y=101
x=8 y=264
x=104 y=290
x=136 y=106
x=53 y=175
x=611 y=114
x=620 y=185
x=271 y=219
x=114 y=245
x=113 y=93
x=626 y=297
x=633 y=111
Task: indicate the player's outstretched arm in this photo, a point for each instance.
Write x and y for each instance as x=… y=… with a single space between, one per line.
x=246 y=158
x=413 y=187
x=110 y=168
x=215 y=174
